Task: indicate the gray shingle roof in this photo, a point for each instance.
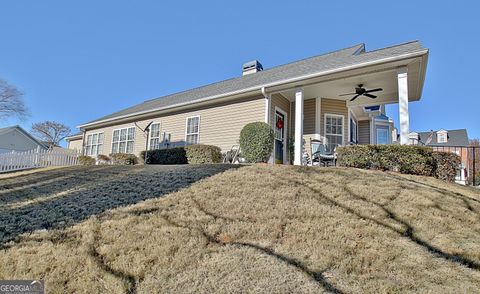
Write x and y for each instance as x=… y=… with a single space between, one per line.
x=455 y=138
x=313 y=65
x=74 y=135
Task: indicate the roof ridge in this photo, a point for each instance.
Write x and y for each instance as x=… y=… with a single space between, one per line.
x=266 y=70
x=464 y=129
x=395 y=45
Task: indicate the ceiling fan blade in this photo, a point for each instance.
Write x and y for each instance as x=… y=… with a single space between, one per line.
x=354 y=97
x=374 y=90
x=370 y=95
x=349 y=94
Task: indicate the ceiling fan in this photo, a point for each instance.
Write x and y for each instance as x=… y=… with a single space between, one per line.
x=361 y=91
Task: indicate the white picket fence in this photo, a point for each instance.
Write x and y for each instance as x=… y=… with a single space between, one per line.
x=13 y=161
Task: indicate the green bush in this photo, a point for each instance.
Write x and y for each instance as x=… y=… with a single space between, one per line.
x=123 y=158
x=86 y=160
x=199 y=154
x=256 y=142
x=416 y=160
x=166 y=156
x=446 y=165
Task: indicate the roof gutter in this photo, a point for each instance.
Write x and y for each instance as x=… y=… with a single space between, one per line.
x=262 y=87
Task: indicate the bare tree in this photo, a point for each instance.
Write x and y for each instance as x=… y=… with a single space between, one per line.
x=50 y=132
x=11 y=102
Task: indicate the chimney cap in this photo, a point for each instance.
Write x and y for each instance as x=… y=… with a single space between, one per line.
x=252 y=67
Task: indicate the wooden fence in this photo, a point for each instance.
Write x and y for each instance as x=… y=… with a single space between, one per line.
x=36 y=158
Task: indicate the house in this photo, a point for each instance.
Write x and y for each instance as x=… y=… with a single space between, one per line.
x=454 y=141
x=338 y=97
x=75 y=142
x=15 y=138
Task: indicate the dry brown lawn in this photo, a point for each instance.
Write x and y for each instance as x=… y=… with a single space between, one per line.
x=254 y=229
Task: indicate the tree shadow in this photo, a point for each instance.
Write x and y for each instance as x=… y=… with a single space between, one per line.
x=318 y=277
x=129 y=186
x=407 y=232
x=13 y=191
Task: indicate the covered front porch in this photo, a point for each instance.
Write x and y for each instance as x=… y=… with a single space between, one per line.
x=318 y=109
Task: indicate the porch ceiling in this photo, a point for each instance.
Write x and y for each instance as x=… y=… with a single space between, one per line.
x=385 y=78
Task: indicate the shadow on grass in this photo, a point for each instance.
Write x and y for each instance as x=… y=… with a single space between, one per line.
x=318 y=277
x=408 y=230
x=120 y=187
x=34 y=186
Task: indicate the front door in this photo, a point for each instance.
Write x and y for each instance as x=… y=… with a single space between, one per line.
x=279 y=137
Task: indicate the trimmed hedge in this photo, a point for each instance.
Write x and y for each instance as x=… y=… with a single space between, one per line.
x=447 y=165
x=166 y=156
x=86 y=160
x=123 y=158
x=256 y=142
x=201 y=154
x=407 y=159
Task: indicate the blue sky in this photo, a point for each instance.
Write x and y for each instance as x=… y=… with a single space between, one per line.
x=79 y=60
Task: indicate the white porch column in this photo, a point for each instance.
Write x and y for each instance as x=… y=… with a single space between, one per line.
x=298 y=126
x=402 y=77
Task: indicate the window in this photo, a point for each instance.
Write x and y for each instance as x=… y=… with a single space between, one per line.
x=333 y=131
x=123 y=140
x=353 y=131
x=154 y=136
x=94 y=144
x=442 y=137
x=383 y=135
x=193 y=130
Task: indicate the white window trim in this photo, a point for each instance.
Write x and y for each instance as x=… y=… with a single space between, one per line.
x=356 y=131
x=383 y=129
x=150 y=133
x=351 y=116
x=86 y=143
x=389 y=135
x=285 y=143
x=134 y=137
x=325 y=126
x=186 y=128
x=318 y=117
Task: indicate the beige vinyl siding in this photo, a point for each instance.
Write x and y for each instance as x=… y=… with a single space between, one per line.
x=309 y=111
x=338 y=107
x=220 y=124
x=75 y=144
x=363 y=132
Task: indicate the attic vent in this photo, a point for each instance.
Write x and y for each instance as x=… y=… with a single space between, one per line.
x=252 y=67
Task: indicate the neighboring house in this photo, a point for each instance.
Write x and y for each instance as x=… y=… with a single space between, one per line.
x=15 y=138
x=300 y=100
x=75 y=142
x=453 y=141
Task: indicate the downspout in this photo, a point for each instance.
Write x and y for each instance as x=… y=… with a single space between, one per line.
x=268 y=101
x=83 y=142
x=267 y=105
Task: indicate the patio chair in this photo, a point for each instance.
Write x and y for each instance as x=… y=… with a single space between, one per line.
x=320 y=154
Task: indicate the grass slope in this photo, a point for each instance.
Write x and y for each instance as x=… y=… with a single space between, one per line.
x=253 y=229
